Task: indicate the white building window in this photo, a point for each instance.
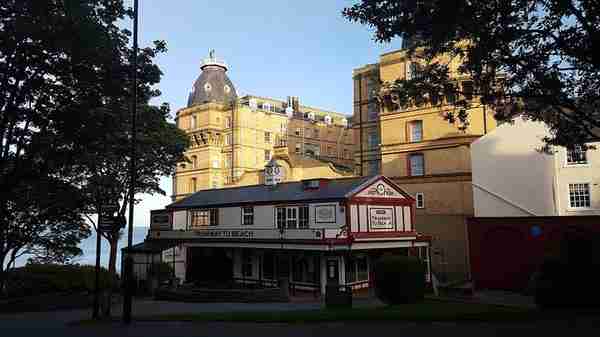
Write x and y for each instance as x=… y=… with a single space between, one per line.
x=298 y=148
x=420 y=200
x=267 y=155
x=267 y=137
x=576 y=156
x=248 y=215
x=227 y=122
x=216 y=163
x=194 y=162
x=204 y=217
x=292 y=217
x=228 y=139
x=417 y=164
x=579 y=196
x=416 y=131
x=193 y=123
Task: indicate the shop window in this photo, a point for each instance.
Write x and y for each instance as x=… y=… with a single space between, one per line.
x=247 y=265
x=248 y=215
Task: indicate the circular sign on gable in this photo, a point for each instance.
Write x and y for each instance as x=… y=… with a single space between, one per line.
x=380 y=189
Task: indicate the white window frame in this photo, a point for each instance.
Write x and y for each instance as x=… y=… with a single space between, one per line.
x=247 y=211
x=576 y=164
x=410 y=162
x=420 y=200
x=412 y=128
x=588 y=192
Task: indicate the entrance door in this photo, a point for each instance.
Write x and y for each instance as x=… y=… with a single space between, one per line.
x=333 y=272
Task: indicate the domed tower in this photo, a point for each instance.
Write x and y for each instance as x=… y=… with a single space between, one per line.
x=212 y=85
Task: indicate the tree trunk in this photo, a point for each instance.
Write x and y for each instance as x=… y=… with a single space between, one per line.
x=112 y=270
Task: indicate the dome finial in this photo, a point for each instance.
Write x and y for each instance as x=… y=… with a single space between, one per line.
x=211 y=60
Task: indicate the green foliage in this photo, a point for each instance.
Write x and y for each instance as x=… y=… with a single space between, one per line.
x=567 y=280
x=399 y=279
x=534 y=58
x=38 y=279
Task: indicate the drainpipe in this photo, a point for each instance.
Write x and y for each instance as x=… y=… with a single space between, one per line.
x=360 y=125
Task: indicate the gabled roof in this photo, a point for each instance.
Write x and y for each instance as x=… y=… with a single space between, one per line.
x=332 y=189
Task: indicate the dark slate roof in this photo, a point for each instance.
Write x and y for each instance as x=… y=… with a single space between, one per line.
x=334 y=189
x=217 y=78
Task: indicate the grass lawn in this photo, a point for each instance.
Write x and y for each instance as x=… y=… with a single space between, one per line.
x=428 y=311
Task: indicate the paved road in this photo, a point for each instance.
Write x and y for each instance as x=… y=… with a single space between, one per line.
x=55 y=324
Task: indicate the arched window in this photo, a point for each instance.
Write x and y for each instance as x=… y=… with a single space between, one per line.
x=193 y=122
x=194 y=162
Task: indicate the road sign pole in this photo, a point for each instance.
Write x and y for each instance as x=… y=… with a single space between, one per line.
x=96 y=312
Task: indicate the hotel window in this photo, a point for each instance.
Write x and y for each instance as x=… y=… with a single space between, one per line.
x=216 y=163
x=576 y=156
x=420 y=200
x=298 y=132
x=193 y=185
x=416 y=164
x=579 y=196
x=193 y=123
x=248 y=215
x=298 y=148
x=267 y=155
x=373 y=140
x=373 y=109
x=228 y=139
x=227 y=122
x=346 y=154
x=316 y=133
x=373 y=168
x=204 y=218
x=331 y=150
x=416 y=131
x=228 y=161
x=267 y=137
x=194 y=162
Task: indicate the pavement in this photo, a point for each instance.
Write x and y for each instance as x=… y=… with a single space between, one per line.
x=56 y=324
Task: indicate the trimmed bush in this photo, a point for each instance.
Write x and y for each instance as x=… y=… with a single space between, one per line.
x=38 y=279
x=568 y=280
x=399 y=279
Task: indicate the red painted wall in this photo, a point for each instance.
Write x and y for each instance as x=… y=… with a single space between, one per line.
x=505 y=252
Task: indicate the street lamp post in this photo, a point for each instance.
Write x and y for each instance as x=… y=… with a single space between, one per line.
x=128 y=275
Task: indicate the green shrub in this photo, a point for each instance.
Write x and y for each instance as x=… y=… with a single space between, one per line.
x=38 y=279
x=399 y=279
x=568 y=280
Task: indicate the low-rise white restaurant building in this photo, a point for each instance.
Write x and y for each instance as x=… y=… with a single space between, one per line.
x=312 y=232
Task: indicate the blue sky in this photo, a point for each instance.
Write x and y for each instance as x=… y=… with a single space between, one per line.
x=274 y=48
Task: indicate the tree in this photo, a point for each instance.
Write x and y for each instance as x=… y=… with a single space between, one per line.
x=160 y=146
x=57 y=66
x=534 y=58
